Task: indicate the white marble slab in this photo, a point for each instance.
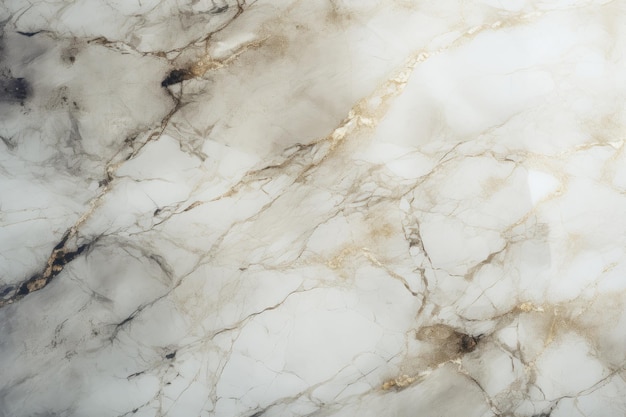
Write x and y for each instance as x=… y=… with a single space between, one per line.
x=284 y=208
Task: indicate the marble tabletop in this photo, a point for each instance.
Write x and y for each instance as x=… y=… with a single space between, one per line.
x=276 y=208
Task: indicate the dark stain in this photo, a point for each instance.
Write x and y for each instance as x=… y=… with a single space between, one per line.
x=170 y=355
x=24 y=288
x=468 y=343
x=14 y=89
x=29 y=34
x=176 y=76
x=56 y=262
x=6 y=290
x=258 y=413
x=59 y=259
x=62 y=242
x=64 y=258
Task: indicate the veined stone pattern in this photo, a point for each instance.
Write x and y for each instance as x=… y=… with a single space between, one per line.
x=277 y=208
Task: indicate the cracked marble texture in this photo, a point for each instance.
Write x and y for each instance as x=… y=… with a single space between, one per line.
x=240 y=208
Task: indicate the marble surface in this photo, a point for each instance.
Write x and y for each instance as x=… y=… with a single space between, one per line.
x=312 y=208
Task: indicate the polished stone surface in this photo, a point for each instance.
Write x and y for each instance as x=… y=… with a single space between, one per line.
x=312 y=208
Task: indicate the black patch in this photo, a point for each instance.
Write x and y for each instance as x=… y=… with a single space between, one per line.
x=468 y=343
x=170 y=355
x=176 y=76
x=6 y=290
x=62 y=258
x=59 y=258
x=62 y=242
x=28 y=34
x=14 y=89
x=23 y=289
x=81 y=249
